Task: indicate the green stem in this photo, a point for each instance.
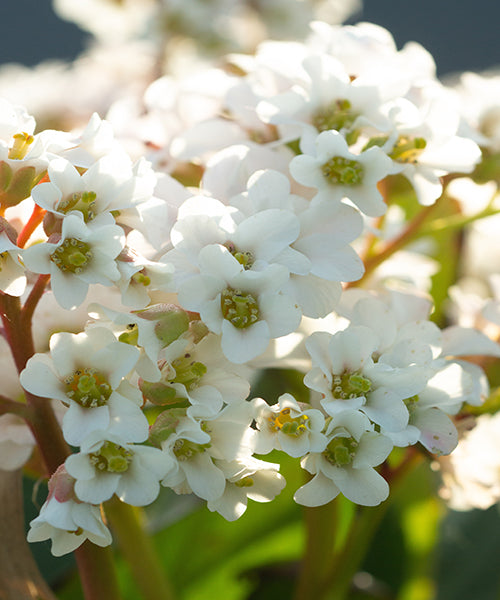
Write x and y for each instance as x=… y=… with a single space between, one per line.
x=456 y=222
x=321 y=526
x=139 y=552
x=97 y=572
x=365 y=524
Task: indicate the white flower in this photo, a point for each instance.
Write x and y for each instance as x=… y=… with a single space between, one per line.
x=326 y=99
x=67 y=521
x=425 y=146
x=197 y=374
x=12 y=273
x=246 y=478
x=86 y=371
x=337 y=173
x=139 y=277
x=190 y=466
x=244 y=306
x=348 y=378
x=319 y=257
x=471 y=473
x=346 y=464
x=289 y=427
x=110 y=184
x=16 y=442
x=83 y=256
x=106 y=465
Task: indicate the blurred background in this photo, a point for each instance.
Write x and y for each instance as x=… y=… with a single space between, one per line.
x=461 y=35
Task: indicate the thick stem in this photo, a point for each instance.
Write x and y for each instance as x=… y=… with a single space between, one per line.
x=95 y=564
x=321 y=525
x=97 y=572
x=20 y=578
x=138 y=550
x=337 y=584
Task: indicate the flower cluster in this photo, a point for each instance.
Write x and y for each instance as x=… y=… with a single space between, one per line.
x=167 y=271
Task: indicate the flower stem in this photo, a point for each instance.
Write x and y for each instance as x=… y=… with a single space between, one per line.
x=95 y=564
x=35 y=220
x=321 y=525
x=403 y=239
x=97 y=572
x=138 y=550
x=11 y=406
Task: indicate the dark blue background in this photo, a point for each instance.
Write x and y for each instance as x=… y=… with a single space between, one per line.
x=461 y=35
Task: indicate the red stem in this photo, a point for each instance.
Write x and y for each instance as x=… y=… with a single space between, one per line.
x=35 y=220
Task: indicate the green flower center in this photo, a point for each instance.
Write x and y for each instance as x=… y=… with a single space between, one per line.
x=240 y=309
x=81 y=201
x=141 y=278
x=88 y=387
x=131 y=335
x=72 y=255
x=111 y=458
x=407 y=149
x=350 y=385
x=184 y=449
x=245 y=258
x=188 y=372
x=341 y=451
x=337 y=115
x=245 y=482
x=284 y=422
x=343 y=171
x=411 y=403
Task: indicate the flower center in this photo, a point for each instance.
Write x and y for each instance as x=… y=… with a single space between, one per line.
x=20 y=146
x=82 y=201
x=3 y=258
x=407 y=149
x=245 y=482
x=72 y=255
x=88 y=387
x=350 y=385
x=289 y=425
x=343 y=171
x=184 y=449
x=240 y=309
x=336 y=115
x=141 y=278
x=111 y=458
x=245 y=258
x=340 y=451
x=131 y=335
x=188 y=372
